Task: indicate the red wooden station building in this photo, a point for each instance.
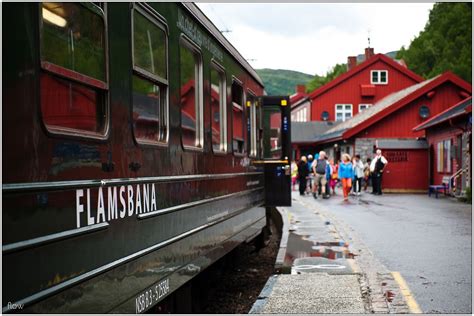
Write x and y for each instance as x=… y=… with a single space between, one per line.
x=380 y=104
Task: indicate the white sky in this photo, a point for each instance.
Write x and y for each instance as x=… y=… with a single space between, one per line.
x=313 y=37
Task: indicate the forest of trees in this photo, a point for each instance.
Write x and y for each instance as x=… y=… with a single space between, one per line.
x=282 y=82
x=445 y=43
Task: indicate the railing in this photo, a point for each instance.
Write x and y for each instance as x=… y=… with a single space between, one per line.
x=453 y=178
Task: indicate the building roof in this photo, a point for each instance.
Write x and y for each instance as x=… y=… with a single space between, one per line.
x=463 y=107
x=296 y=98
x=307 y=132
x=403 y=144
x=388 y=105
x=362 y=66
x=298 y=103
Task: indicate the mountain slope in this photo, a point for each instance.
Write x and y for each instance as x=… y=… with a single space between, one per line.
x=282 y=82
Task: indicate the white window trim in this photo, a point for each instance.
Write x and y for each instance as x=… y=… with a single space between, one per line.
x=343 y=112
x=367 y=105
x=447 y=149
x=440 y=151
x=378 y=77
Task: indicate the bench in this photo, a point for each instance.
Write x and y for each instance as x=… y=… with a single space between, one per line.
x=444 y=186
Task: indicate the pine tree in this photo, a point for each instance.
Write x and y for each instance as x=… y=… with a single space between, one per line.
x=445 y=43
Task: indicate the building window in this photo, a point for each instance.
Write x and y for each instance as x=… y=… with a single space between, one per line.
x=218 y=108
x=364 y=106
x=343 y=112
x=252 y=123
x=150 y=78
x=444 y=156
x=378 y=76
x=191 y=94
x=73 y=81
x=238 y=118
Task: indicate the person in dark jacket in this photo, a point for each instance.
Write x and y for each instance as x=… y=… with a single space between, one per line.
x=377 y=167
x=302 y=174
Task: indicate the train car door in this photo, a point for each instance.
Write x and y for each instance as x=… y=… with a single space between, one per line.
x=276 y=149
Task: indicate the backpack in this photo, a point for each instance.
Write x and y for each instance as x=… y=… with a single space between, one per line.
x=321 y=166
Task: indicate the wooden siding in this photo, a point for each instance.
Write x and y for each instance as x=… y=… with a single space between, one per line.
x=436 y=135
x=400 y=123
x=349 y=91
x=409 y=174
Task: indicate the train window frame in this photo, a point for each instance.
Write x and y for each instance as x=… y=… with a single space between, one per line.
x=220 y=70
x=186 y=43
x=253 y=150
x=101 y=87
x=142 y=74
x=241 y=108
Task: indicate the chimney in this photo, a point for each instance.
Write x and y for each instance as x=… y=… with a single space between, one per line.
x=301 y=88
x=369 y=52
x=351 y=62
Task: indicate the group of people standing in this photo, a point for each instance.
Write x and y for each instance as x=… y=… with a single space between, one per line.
x=321 y=174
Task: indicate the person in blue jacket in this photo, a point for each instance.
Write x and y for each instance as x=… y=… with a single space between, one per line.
x=346 y=174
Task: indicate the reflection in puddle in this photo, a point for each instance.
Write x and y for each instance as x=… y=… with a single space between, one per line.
x=309 y=246
x=389 y=296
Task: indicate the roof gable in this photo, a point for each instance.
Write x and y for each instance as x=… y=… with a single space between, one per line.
x=357 y=69
x=390 y=104
x=458 y=109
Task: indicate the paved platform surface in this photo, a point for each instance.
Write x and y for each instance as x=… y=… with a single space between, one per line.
x=323 y=277
x=313 y=293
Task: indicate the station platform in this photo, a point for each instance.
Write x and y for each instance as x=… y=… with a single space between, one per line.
x=317 y=270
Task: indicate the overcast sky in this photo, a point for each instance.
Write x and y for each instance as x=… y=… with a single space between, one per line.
x=313 y=37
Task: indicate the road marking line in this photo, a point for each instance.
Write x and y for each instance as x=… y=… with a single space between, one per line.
x=411 y=302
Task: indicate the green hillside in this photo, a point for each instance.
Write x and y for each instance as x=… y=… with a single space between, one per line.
x=445 y=44
x=282 y=82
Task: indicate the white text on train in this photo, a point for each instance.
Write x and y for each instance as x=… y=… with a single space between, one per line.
x=133 y=200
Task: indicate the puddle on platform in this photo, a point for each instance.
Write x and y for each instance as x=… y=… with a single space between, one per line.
x=389 y=296
x=308 y=246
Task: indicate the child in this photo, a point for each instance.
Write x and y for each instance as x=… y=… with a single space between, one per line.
x=334 y=177
x=294 y=174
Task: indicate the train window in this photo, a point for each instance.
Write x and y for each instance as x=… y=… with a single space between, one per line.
x=149 y=45
x=218 y=108
x=191 y=94
x=74 y=78
x=238 y=119
x=252 y=123
x=150 y=78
